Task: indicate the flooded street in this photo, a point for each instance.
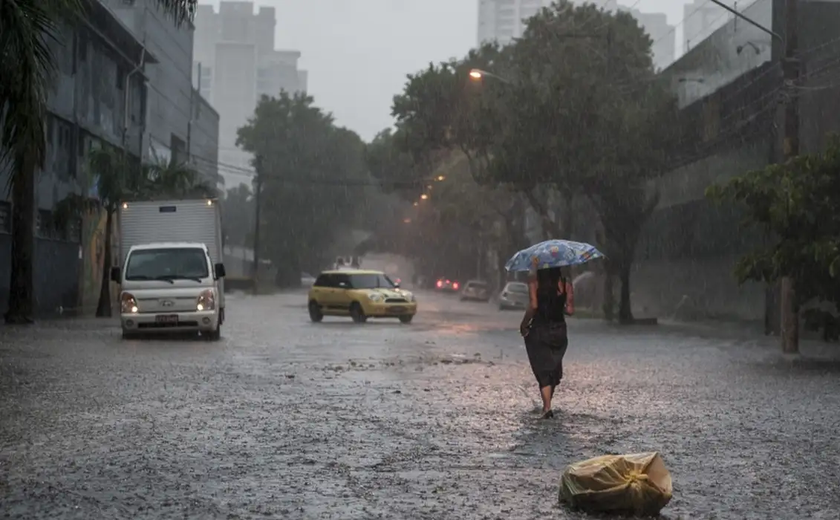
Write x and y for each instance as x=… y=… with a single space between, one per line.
x=287 y=419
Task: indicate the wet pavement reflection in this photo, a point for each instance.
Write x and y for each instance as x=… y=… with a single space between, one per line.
x=287 y=419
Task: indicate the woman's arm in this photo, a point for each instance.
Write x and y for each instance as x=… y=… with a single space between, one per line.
x=532 y=306
x=570 y=299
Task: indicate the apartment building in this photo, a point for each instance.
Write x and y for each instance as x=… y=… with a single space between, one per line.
x=235 y=63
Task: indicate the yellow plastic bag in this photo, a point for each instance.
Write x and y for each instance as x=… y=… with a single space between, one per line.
x=637 y=484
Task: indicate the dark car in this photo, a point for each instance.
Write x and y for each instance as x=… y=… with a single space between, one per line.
x=476 y=290
x=447 y=285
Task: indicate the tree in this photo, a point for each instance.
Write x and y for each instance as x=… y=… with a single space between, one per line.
x=795 y=205
x=239 y=214
x=312 y=175
x=572 y=112
x=120 y=177
x=27 y=67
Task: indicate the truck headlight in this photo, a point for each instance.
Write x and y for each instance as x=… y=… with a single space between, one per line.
x=206 y=301
x=375 y=297
x=128 y=304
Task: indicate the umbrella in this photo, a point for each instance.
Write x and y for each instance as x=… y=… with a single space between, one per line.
x=553 y=253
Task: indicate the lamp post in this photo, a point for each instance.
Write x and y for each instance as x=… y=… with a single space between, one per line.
x=478 y=75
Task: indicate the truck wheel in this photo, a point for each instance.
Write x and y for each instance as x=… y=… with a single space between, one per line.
x=215 y=335
x=315 y=313
x=406 y=318
x=357 y=313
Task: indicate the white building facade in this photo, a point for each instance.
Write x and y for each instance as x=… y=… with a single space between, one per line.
x=662 y=35
x=235 y=63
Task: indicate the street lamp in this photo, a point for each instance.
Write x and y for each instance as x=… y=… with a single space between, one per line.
x=424 y=196
x=478 y=75
x=440 y=177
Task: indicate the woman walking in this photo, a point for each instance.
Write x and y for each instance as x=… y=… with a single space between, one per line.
x=544 y=329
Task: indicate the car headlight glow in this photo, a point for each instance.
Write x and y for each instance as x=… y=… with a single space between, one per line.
x=375 y=297
x=206 y=301
x=128 y=304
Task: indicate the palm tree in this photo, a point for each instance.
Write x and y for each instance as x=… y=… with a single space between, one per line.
x=174 y=180
x=27 y=68
x=120 y=177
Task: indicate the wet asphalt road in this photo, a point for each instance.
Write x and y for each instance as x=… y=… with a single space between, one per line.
x=435 y=420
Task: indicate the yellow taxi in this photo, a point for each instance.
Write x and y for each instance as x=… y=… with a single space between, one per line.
x=361 y=295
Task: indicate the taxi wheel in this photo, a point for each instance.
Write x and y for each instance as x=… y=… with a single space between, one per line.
x=357 y=313
x=406 y=318
x=315 y=313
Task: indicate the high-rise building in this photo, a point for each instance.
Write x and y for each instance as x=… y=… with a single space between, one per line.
x=505 y=20
x=235 y=59
x=661 y=34
x=701 y=19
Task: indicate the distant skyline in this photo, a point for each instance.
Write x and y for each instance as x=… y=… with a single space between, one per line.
x=358 y=52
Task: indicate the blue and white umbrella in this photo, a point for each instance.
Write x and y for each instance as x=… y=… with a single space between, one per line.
x=553 y=253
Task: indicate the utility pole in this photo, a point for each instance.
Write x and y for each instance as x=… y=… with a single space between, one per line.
x=257 y=196
x=789 y=315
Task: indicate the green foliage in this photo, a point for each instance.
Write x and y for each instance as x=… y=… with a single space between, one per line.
x=313 y=175
x=119 y=177
x=572 y=108
x=794 y=204
x=238 y=216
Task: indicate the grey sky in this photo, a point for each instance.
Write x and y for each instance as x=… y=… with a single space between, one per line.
x=358 y=52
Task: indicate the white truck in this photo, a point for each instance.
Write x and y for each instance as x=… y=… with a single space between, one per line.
x=172 y=275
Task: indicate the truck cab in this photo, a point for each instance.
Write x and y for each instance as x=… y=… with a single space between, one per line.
x=170 y=287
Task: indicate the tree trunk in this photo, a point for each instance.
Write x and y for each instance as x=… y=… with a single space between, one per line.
x=789 y=316
x=568 y=222
x=22 y=283
x=625 y=312
x=103 y=309
x=549 y=227
x=609 y=295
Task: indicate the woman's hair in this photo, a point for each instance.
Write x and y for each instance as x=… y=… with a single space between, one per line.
x=549 y=277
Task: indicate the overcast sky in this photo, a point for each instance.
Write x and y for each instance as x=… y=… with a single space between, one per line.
x=358 y=52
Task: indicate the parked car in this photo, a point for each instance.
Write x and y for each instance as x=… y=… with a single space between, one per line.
x=513 y=296
x=476 y=290
x=447 y=285
x=360 y=295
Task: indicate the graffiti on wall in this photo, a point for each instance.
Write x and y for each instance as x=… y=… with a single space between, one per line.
x=93 y=258
x=93 y=253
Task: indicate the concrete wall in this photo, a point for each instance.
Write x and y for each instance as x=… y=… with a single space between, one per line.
x=170 y=79
x=204 y=138
x=727 y=54
x=689 y=248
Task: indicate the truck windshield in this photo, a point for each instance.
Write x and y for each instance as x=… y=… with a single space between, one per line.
x=186 y=263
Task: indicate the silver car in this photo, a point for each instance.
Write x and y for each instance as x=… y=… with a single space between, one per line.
x=513 y=296
x=476 y=290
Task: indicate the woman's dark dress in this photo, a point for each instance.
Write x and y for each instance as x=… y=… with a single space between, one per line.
x=547 y=340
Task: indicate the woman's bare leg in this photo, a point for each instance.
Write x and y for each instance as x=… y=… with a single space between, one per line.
x=546 y=393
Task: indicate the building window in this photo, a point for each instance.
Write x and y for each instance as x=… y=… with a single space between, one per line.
x=5 y=217
x=47 y=228
x=74 y=231
x=43 y=224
